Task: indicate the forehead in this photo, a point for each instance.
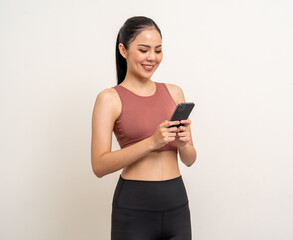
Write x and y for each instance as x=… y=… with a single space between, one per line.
x=150 y=36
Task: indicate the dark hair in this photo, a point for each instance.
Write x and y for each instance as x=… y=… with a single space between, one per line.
x=128 y=32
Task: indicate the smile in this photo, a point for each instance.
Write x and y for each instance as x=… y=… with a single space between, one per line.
x=148 y=67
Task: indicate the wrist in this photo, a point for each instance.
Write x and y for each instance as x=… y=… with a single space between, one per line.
x=182 y=147
x=150 y=143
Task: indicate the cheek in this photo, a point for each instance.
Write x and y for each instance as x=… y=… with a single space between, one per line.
x=134 y=56
x=134 y=61
x=139 y=59
x=160 y=58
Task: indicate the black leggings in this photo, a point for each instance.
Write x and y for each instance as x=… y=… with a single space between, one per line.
x=150 y=210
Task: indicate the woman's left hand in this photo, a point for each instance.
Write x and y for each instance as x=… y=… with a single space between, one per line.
x=183 y=134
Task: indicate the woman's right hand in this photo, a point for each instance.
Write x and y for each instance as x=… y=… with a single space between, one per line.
x=164 y=133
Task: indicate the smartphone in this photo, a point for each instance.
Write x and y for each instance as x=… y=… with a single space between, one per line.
x=182 y=111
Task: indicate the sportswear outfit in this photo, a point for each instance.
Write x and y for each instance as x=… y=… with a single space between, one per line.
x=147 y=210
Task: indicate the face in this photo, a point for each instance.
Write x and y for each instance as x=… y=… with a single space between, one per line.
x=144 y=54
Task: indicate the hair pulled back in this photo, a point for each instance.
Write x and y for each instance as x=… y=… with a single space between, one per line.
x=128 y=32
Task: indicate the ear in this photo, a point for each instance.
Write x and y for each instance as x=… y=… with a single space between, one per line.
x=122 y=50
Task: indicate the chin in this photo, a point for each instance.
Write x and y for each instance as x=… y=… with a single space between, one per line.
x=143 y=74
x=146 y=76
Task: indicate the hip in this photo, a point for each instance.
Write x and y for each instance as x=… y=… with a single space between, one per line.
x=150 y=195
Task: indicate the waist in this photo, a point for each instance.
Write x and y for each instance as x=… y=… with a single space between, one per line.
x=150 y=195
x=153 y=166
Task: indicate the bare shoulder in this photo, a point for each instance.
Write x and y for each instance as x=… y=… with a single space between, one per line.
x=176 y=92
x=108 y=94
x=108 y=99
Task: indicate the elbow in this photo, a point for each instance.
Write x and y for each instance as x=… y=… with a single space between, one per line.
x=189 y=164
x=98 y=172
x=100 y=175
x=194 y=159
x=97 y=168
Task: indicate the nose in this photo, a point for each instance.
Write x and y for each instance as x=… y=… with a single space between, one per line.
x=151 y=56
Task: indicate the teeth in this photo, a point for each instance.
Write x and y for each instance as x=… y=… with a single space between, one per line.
x=148 y=66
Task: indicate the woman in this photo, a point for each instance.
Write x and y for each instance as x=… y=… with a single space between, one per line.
x=150 y=200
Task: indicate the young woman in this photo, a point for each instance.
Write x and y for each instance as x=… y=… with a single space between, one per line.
x=150 y=199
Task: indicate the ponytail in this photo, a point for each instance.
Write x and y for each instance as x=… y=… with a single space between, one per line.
x=121 y=64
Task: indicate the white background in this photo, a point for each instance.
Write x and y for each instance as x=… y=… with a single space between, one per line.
x=232 y=58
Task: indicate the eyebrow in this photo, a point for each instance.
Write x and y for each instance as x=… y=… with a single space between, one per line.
x=144 y=45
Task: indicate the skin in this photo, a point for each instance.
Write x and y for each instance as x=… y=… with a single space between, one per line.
x=138 y=161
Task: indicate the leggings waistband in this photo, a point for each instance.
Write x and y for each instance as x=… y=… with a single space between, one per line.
x=150 y=195
x=149 y=181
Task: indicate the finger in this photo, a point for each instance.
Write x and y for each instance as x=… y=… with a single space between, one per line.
x=174 y=123
x=171 y=134
x=182 y=129
x=183 y=139
x=171 y=137
x=182 y=134
x=172 y=129
x=186 y=122
x=171 y=123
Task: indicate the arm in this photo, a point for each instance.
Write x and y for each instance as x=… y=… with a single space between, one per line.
x=186 y=150
x=105 y=113
x=103 y=160
x=183 y=140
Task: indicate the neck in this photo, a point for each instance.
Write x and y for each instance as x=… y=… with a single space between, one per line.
x=137 y=82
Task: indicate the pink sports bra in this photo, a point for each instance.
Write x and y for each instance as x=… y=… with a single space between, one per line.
x=141 y=115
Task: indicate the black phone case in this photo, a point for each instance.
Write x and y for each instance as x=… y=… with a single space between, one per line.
x=182 y=112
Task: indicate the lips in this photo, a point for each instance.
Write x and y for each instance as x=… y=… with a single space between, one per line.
x=148 y=67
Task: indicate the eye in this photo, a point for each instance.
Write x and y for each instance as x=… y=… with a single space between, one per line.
x=143 y=51
x=159 y=51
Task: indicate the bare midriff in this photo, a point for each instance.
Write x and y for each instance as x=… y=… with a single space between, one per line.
x=154 y=166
